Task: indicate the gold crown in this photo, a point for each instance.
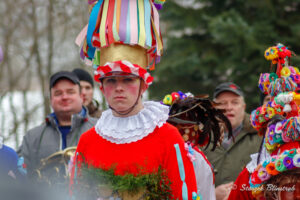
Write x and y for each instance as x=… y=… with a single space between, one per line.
x=133 y=53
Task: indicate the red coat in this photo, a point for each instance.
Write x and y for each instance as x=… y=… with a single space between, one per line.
x=155 y=150
x=241 y=189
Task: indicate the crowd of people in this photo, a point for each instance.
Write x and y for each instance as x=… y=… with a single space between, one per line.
x=184 y=147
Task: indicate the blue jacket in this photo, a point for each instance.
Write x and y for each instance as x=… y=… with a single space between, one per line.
x=9 y=163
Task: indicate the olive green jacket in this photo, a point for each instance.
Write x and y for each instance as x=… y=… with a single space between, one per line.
x=94 y=109
x=228 y=163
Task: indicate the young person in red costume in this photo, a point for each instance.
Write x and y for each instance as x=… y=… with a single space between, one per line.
x=132 y=137
x=274 y=173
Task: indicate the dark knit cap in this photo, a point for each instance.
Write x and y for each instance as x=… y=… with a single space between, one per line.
x=84 y=75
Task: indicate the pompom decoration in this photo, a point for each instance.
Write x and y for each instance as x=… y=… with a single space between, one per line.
x=170 y=98
x=262 y=173
x=285 y=72
x=159 y=4
x=260 y=116
x=296 y=160
x=279 y=165
x=288 y=163
x=182 y=95
x=271 y=169
x=271 y=53
x=277 y=54
x=274 y=85
x=286 y=77
x=287 y=130
x=282 y=134
x=175 y=95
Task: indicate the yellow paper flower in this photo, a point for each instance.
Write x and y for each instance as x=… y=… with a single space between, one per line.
x=168 y=100
x=271 y=112
x=271 y=53
x=285 y=71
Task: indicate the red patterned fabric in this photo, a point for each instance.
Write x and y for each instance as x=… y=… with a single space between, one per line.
x=125 y=67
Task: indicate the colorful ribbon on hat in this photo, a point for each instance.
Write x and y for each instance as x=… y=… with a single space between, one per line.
x=133 y=22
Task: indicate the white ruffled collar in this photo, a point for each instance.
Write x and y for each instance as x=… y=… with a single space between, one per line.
x=251 y=166
x=121 y=130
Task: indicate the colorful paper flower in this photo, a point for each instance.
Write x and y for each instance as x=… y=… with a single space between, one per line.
x=168 y=100
x=271 y=169
x=263 y=174
x=296 y=160
x=286 y=72
x=271 y=53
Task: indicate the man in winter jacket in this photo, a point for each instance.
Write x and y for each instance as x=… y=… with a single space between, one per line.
x=230 y=157
x=63 y=127
x=87 y=90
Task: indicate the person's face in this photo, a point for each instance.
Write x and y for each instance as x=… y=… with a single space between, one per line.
x=234 y=107
x=121 y=93
x=87 y=92
x=291 y=193
x=267 y=99
x=66 y=98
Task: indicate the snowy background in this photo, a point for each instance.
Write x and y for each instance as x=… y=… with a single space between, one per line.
x=34 y=100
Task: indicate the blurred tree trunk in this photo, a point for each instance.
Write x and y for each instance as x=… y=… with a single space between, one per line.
x=43 y=77
x=37 y=39
x=50 y=53
x=11 y=75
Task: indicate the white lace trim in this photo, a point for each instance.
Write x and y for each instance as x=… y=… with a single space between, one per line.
x=121 y=130
x=251 y=166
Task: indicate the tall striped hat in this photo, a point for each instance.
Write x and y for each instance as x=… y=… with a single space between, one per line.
x=122 y=36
